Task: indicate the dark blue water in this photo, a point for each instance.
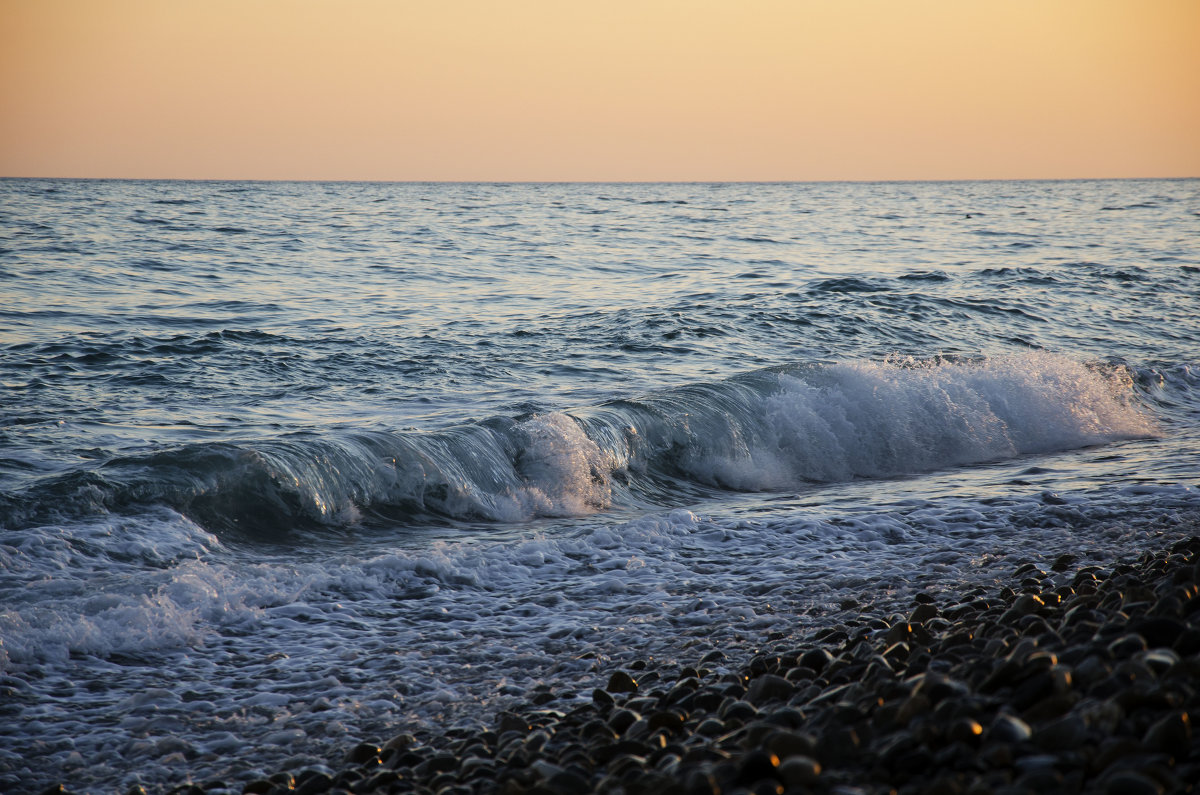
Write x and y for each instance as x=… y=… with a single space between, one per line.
x=288 y=465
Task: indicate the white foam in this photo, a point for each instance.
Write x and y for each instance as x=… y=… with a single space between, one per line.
x=867 y=419
x=295 y=659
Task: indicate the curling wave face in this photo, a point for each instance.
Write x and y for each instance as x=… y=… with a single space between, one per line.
x=769 y=430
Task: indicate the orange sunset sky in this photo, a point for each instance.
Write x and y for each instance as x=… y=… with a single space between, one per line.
x=613 y=90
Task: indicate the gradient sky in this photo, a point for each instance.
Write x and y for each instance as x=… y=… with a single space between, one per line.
x=613 y=90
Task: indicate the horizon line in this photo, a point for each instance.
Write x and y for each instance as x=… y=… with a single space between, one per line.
x=302 y=180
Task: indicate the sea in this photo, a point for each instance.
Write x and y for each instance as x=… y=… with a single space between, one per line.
x=289 y=466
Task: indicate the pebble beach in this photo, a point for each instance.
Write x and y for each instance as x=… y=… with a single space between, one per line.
x=1067 y=679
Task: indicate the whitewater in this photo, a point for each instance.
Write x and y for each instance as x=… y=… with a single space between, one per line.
x=288 y=466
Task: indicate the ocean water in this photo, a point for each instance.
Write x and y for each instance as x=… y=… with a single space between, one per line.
x=286 y=466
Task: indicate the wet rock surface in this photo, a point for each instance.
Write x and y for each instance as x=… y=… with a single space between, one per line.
x=1065 y=680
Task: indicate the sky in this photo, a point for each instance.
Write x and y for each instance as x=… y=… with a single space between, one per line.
x=549 y=90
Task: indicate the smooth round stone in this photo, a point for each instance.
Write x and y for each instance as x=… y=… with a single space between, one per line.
x=1041 y=780
x=699 y=782
x=445 y=784
x=638 y=730
x=799 y=771
x=545 y=769
x=1131 y=782
x=622 y=719
x=672 y=721
x=683 y=689
x=536 y=740
x=1064 y=734
x=601 y=698
x=569 y=781
x=597 y=730
x=645 y=704
x=786 y=717
x=284 y=780
x=314 y=783
x=512 y=723
x=769 y=687
x=965 y=730
x=1127 y=646
x=1171 y=735
x=439 y=763
x=621 y=682
x=1063 y=562
x=1009 y=729
x=1023 y=605
x=757 y=765
x=899 y=633
x=476 y=765
x=800 y=674
x=922 y=613
x=381 y=781
x=707 y=699
x=816 y=659
x=786 y=744
x=738 y=710
x=1159 y=630
x=710 y=727
x=363 y=752
x=401 y=742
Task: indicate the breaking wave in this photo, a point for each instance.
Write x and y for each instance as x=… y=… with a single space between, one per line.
x=769 y=430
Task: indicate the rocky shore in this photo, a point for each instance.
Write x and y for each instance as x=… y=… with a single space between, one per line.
x=1073 y=679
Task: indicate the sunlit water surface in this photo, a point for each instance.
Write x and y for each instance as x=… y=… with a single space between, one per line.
x=288 y=466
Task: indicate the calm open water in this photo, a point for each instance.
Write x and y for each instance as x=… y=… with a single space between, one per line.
x=286 y=466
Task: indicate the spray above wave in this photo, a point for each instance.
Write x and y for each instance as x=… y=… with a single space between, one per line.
x=767 y=430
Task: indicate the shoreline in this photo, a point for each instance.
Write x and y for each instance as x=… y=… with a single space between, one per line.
x=1073 y=678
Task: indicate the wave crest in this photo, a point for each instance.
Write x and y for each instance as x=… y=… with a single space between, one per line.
x=766 y=430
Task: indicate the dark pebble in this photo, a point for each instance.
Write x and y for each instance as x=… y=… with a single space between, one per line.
x=922 y=613
x=756 y=766
x=621 y=682
x=1170 y=735
x=769 y=687
x=816 y=659
x=363 y=752
x=1063 y=734
x=1009 y=729
x=313 y=782
x=601 y=698
x=622 y=719
x=509 y=722
x=1131 y=782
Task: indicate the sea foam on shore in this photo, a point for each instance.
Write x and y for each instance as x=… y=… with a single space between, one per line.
x=1066 y=678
